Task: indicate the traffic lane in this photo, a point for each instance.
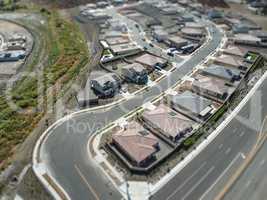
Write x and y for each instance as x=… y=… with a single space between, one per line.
x=222 y=159
x=72 y=155
x=253 y=183
x=224 y=155
x=213 y=151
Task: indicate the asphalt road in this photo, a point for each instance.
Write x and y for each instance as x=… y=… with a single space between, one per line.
x=65 y=150
x=222 y=157
x=253 y=182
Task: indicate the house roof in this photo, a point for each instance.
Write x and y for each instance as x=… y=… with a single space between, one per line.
x=259 y=33
x=229 y=60
x=177 y=39
x=235 y=50
x=191 y=31
x=117 y=40
x=194 y=25
x=246 y=37
x=190 y=101
x=136 y=66
x=150 y=60
x=160 y=32
x=221 y=71
x=168 y=120
x=136 y=142
x=211 y=84
x=121 y=48
x=110 y=77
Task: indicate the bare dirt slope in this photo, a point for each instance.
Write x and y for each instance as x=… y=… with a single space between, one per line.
x=214 y=3
x=74 y=3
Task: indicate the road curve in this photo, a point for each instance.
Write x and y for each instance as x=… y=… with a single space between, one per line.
x=64 y=151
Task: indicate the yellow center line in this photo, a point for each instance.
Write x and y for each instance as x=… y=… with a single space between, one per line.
x=87 y=183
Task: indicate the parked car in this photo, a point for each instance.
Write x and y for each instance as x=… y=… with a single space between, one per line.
x=150 y=44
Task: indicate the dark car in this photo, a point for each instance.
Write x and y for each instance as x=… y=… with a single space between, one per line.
x=150 y=44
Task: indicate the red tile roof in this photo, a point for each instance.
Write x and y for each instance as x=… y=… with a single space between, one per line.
x=136 y=142
x=168 y=120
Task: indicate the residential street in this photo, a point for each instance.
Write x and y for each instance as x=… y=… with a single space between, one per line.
x=65 y=150
x=223 y=156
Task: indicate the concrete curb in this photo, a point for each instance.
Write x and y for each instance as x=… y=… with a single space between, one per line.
x=39 y=168
x=41 y=171
x=209 y=139
x=126 y=117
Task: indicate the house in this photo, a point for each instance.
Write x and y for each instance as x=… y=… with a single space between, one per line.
x=231 y=61
x=136 y=144
x=191 y=105
x=193 y=33
x=168 y=122
x=135 y=73
x=198 y=25
x=259 y=34
x=240 y=28
x=86 y=97
x=212 y=87
x=246 y=39
x=117 y=25
x=151 y=61
x=169 y=11
x=121 y=49
x=106 y=85
x=228 y=74
x=234 y=51
x=187 y=18
x=117 y=40
x=177 y=41
x=231 y=21
x=160 y=35
x=215 y=14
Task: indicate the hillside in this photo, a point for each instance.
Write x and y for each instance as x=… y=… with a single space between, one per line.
x=214 y=3
x=73 y=3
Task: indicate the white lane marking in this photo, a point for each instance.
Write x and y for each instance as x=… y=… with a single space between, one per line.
x=248 y=184
x=243 y=155
x=198 y=183
x=242 y=134
x=218 y=179
x=228 y=151
x=262 y=162
x=235 y=130
x=220 y=146
x=187 y=180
